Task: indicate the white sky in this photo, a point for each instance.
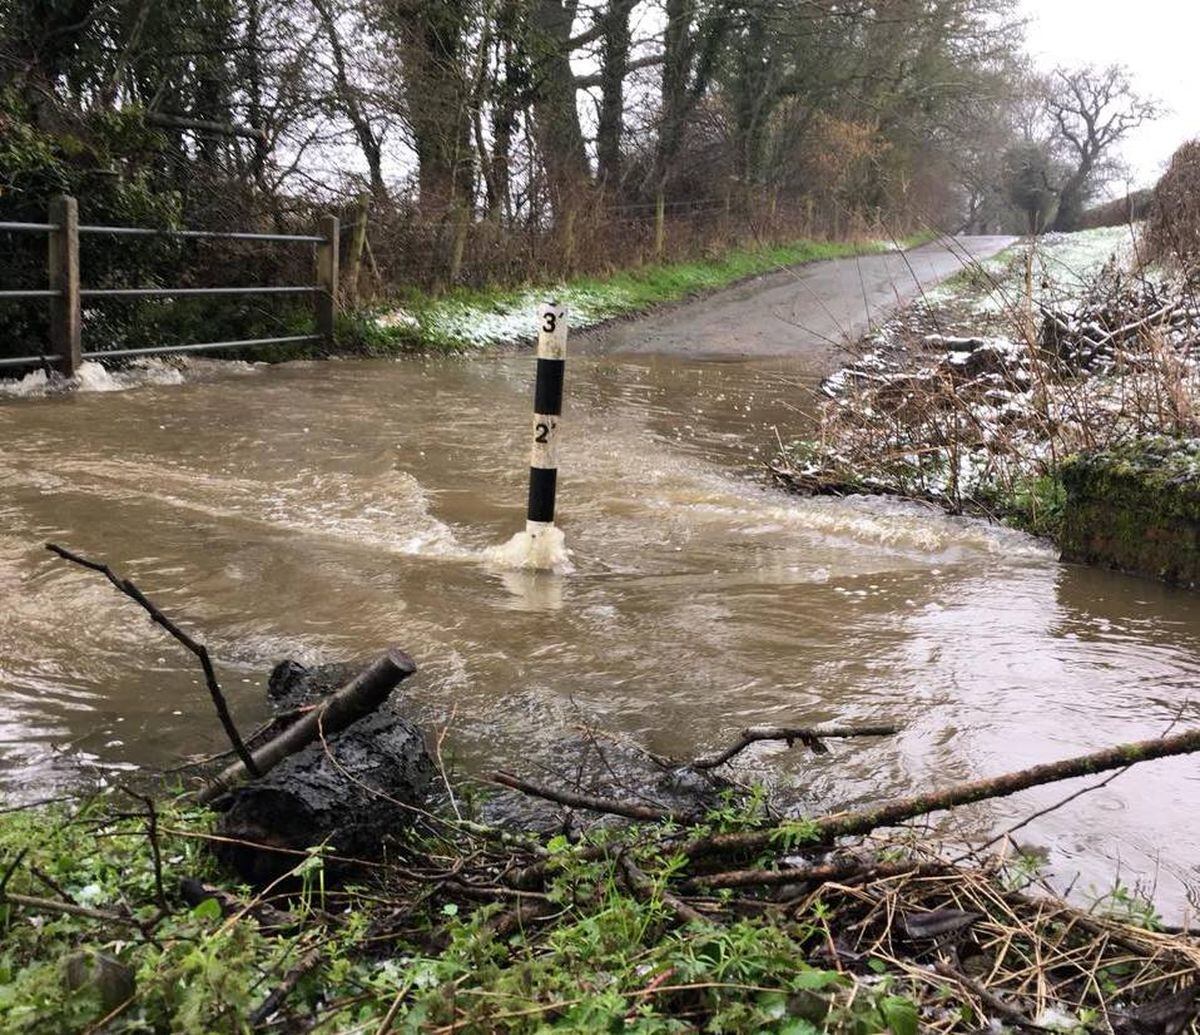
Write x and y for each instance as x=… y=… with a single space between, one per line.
x=1155 y=39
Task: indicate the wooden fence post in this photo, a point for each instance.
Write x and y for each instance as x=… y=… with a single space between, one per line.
x=660 y=224
x=65 y=314
x=327 y=277
x=358 y=243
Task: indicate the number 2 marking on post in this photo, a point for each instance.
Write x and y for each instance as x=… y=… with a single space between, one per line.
x=550 y=322
x=543 y=432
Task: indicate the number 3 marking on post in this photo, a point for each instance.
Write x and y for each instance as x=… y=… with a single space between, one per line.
x=551 y=322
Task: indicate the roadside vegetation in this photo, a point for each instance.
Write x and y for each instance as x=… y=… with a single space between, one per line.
x=456 y=142
x=976 y=397
x=116 y=918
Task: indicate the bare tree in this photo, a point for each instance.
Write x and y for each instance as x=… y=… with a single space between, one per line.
x=1092 y=110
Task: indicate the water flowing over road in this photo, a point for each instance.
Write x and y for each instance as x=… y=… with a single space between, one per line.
x=321 y=510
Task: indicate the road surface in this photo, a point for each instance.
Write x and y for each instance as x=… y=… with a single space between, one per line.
x=807 y=312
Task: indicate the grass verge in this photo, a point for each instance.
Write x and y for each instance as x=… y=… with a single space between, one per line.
x=466 y=319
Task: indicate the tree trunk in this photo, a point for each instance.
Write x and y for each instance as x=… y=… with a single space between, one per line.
x=1071 y=201
x=614 y=66
x=555 y=115
x=438 y=97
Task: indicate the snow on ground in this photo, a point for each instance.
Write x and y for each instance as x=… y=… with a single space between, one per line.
x=1064 y=265
x=475 y=325
x=934 y=415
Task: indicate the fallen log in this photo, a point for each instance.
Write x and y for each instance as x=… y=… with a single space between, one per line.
x=361 y=696
x=850 y=824
x=344 y=776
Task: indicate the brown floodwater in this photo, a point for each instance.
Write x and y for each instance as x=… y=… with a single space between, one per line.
x=325 y=510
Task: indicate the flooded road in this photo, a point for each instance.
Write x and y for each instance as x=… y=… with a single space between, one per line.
x=324 y=510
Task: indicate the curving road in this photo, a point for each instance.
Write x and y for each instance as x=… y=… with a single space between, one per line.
x=806 y=312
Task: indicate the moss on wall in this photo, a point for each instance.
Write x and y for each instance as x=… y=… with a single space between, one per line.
x=1136 y=509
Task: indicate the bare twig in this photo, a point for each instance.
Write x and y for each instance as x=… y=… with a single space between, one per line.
x=628 y=809
x=840 y=871
x=155 y=853
x=643 y=888
x=49 y=905
x=127 y=587
x=811 y=737
x=992 y=1001
x=277 y=997
x=11 y=868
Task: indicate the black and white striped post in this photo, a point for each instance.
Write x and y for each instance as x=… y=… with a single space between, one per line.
x=547 y=412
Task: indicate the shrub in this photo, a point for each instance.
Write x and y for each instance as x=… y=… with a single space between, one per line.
x=1173 y=229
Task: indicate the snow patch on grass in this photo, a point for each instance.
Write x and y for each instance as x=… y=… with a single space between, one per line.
x=474 y=319
x=1064 y=266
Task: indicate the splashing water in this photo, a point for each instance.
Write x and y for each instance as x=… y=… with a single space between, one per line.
x=542 y=551
x=93 y=376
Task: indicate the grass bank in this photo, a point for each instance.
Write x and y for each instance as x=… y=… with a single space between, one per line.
x=468 y=319
x=116 y=918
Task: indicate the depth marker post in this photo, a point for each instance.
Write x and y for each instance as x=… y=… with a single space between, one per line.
x=547 y=411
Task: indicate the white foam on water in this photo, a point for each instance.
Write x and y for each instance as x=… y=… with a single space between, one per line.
x=33 y=384
x=701 y=498
x=94 y=377
x=546 y=551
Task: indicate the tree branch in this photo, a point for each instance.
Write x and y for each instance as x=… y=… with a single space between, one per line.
x=214 y=688
x=628 y=809
x=848 y=824
x=364 y=693
x=811 y=737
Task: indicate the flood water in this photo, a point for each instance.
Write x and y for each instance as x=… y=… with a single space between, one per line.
x=325 y=510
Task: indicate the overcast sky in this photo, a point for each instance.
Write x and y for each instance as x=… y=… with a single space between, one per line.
x=1156 y=39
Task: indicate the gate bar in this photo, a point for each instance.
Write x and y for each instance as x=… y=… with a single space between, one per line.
x=29 y=361
x=164 y=350
x=141 y=231
x=166 y=291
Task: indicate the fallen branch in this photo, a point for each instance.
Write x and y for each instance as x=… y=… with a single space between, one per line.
x=279 y=995
x=643 y=888
x=992 y=1001
x=362 y=695
x=849 y=824
x=210 y=678
x=811 y=737
x=614 y=807
x=50 y=905
x=824 y=873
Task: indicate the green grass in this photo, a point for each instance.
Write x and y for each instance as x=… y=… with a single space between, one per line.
x=472 y=318
x=609 y=962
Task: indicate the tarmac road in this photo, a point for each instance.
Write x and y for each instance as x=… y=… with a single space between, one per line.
x=805 y=312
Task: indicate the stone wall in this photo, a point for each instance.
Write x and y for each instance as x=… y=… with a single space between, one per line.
x=1136 y=509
